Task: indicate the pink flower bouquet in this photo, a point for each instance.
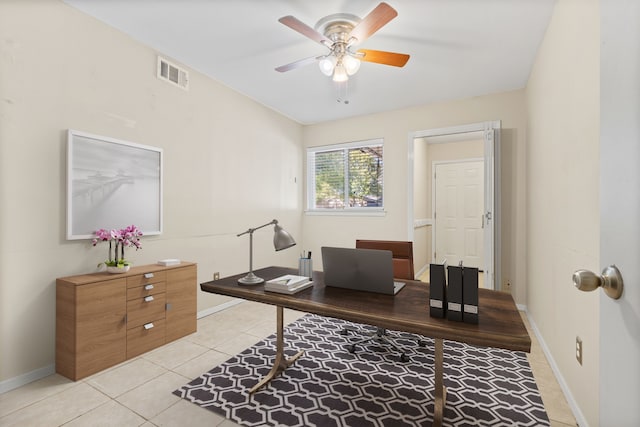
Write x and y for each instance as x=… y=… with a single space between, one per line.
x=126 y=237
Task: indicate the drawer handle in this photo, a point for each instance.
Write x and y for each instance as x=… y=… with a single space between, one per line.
x=148 y=275
x=148 y=326
x=148 y=299
x=148 y=287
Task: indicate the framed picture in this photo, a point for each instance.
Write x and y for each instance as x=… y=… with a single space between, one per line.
x=112 y=184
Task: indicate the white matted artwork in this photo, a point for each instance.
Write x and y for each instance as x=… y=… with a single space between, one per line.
x=112 y=184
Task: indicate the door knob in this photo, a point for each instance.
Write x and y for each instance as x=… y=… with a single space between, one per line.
x=610 y=281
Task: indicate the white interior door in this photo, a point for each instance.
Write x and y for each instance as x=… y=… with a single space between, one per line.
x=459 y=208
x=620 y=210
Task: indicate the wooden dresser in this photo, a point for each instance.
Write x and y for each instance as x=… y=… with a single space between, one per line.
x=103 y=319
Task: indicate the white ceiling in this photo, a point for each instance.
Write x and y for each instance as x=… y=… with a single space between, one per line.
x=459 y=48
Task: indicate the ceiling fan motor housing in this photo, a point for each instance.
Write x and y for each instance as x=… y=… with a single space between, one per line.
x=337 y=27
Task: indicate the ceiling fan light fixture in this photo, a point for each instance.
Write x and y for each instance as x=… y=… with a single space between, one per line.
x=351 y=64
x=327 y=65
x=340 y=73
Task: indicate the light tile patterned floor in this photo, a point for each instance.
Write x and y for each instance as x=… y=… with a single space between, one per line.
x=138 y=392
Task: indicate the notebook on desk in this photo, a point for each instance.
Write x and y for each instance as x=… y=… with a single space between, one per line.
x=360 y=269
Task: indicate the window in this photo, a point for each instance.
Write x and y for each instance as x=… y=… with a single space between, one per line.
x=345 y=176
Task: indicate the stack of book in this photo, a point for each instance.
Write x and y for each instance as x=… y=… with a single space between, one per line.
x=288 y=284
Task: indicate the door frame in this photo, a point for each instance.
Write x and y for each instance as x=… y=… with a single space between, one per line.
x=433 y=194
x=491 y=130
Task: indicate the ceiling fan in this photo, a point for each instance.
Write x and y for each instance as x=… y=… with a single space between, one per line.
x=340 y=32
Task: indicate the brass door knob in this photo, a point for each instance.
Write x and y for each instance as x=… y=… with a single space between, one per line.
x=610 y=281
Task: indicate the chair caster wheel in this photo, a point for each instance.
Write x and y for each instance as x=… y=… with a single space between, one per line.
x=351 y=348
x=404 y=358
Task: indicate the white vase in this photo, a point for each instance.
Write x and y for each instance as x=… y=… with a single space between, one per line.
x=116 y=270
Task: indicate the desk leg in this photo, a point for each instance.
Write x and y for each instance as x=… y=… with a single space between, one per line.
x=280 y=363
x=440 y=390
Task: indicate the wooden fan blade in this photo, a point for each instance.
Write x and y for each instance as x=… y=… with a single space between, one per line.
x=382 y=57
x=299 y=26
x=297 y=64
x=376 y=19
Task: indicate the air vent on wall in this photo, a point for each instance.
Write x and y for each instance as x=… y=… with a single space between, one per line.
x=172 y=73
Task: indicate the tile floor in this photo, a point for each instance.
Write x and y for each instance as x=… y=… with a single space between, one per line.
x=138 y=392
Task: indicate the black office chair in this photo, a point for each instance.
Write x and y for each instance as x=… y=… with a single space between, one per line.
x=402 y=254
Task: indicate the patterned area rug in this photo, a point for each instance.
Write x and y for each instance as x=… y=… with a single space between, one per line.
x=328 y=386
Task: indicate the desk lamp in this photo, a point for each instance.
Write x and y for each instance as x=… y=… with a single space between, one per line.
x=281 y=240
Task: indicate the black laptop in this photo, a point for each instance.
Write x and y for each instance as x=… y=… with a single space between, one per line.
x=360 y=269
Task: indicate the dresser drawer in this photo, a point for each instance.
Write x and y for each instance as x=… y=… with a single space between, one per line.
x=143 y=279
x=145 y=337
x=144 y=310
x=146 y=290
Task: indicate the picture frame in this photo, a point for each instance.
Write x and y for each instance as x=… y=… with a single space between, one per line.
x=112 y=184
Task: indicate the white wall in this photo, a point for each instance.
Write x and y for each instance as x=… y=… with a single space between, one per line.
x=421 y=206
x=563 y=194
x=230 y=164
x=395 y=128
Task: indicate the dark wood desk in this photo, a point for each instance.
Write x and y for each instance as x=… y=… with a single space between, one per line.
x=499 y=322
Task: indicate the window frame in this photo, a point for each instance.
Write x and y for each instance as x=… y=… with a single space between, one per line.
x=311 y=209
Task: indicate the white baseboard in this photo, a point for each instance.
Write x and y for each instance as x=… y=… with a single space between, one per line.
x=577 y=413
x=206 y=312
x=422 y=271
x=20 y=380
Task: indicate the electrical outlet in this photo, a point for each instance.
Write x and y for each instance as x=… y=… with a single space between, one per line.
x=579 y=350
x=216 y=275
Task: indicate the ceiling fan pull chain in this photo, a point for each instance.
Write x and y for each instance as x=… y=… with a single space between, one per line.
x=343 y=88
